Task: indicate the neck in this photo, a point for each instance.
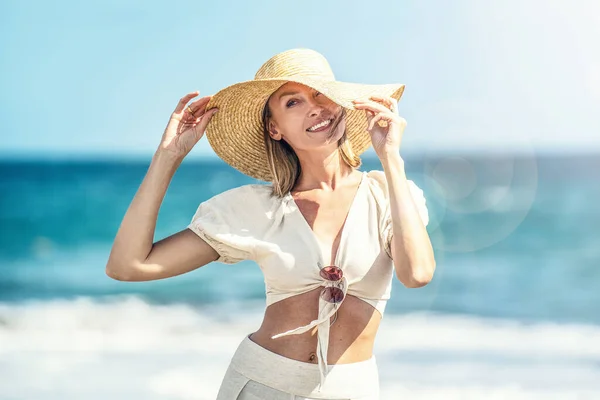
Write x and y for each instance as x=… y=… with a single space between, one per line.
x=322 y=172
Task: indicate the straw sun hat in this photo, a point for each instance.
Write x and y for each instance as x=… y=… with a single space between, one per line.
x=236 y=134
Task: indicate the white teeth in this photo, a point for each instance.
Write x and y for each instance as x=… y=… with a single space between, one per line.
x=322 y=124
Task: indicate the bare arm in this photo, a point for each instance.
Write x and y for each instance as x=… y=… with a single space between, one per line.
x=134 y=256
x=411 y=247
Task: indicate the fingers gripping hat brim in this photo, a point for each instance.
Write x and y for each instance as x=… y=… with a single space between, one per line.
x=236 y=133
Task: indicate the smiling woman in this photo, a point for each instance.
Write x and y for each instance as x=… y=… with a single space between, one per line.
x=321 y=231
x=293 y=99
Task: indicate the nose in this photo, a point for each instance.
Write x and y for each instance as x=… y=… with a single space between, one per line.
x=319 y=105
x=317 y=110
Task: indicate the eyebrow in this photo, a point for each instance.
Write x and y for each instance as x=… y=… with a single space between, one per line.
x=286 y=94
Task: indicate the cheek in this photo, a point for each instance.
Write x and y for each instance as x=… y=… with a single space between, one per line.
x=294 y=126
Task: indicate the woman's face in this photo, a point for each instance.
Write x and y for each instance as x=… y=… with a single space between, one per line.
x=296 y=109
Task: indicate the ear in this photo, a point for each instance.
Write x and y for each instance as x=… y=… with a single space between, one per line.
x=273 y=132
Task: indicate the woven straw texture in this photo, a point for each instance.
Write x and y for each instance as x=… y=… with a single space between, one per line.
x=235 y=133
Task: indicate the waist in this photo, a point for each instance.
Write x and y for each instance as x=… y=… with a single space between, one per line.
x=344 y=348
x=352 y=334
x=358 y=379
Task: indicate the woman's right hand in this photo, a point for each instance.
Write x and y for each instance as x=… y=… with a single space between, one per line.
x=184 y=129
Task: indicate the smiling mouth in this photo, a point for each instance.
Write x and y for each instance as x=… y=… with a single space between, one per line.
x=321 y=127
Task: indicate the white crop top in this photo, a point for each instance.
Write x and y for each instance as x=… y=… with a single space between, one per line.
x=249 y=223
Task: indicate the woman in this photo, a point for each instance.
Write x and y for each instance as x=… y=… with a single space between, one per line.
x=328 y=237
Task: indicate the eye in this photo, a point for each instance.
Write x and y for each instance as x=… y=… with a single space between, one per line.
x=318 y=93
x=289 y=102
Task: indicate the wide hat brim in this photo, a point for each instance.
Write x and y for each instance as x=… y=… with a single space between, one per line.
x=236 y=134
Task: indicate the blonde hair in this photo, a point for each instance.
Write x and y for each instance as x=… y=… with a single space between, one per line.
x=283 y=161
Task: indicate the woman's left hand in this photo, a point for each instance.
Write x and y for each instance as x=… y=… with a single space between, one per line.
x=386 y=140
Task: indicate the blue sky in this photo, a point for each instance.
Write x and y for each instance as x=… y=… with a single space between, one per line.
x=103 y=77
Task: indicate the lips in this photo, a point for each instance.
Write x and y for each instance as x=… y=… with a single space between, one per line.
x=323 y=128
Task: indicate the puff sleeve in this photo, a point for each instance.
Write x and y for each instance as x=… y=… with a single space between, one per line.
x=419 y=200
x=222 y=223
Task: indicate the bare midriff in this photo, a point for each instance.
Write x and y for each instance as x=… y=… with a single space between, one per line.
x=351 y=337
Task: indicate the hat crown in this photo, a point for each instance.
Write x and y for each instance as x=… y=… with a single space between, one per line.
x=296 y=62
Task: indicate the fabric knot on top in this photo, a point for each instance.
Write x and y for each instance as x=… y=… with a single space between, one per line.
x=326 y=310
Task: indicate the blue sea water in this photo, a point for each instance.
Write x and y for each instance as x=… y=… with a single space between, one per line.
x=517 y=246
x=536 y=258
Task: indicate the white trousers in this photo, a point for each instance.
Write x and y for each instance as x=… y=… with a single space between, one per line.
x=256 y=373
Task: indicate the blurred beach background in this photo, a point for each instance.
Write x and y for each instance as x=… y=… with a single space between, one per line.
x=503 y=137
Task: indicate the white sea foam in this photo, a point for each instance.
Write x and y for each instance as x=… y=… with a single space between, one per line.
x=126 y=348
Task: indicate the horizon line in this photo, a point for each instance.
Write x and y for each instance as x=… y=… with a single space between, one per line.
x=103 y=156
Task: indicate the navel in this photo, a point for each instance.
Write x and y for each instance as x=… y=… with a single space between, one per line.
x=312 y=357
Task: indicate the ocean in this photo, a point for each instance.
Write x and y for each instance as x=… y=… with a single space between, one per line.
x=513 y=311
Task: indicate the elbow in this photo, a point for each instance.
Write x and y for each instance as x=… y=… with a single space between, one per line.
x=417 y=282
x=117 y=274
x=418 y=278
